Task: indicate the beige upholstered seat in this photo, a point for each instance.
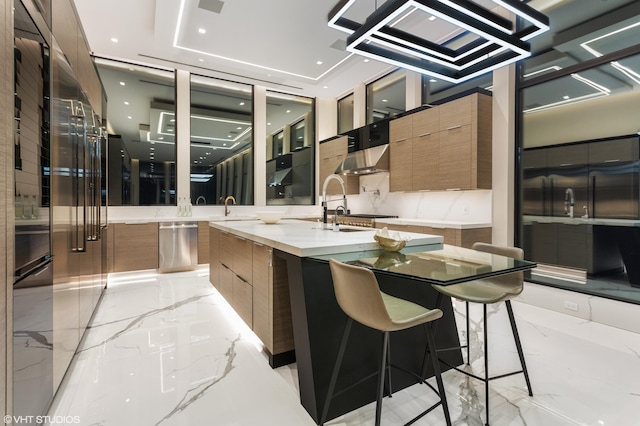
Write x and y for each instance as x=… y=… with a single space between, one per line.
x=489 y=291
x=359 y=296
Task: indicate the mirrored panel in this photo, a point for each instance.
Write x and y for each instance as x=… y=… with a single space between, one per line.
x=387 y=96
x=345 y=113
x=142 y=128
x=290 y=149
x=221 y=141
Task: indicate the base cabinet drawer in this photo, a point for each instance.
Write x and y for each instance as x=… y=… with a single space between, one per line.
x=242 y=299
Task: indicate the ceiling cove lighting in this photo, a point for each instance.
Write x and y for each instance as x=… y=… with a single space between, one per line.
x=496 y=43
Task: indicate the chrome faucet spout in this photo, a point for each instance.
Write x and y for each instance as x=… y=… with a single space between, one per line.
x=204 y=200
x=569 y=202
x=226 y=201
x=329 y=178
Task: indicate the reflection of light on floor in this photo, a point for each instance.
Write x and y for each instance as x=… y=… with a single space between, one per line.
x=577 y=276
x=232 y=316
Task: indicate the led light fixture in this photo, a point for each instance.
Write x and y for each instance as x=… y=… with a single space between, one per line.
x=493 y=44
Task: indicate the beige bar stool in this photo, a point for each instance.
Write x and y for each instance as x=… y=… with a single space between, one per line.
x=359 y=296
x=489 y=291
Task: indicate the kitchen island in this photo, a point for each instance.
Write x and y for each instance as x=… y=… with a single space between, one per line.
x=248 y=268
x=273 y=278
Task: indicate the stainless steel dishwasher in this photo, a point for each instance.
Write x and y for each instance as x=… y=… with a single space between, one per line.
x=177 y=246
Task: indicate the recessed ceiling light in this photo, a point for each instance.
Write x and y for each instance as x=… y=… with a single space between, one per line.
x=113 y=39
x=268 y=124
x=200 y=59
x=224 y=144
x=385 y=100
x=325 y=87
x=126 y=103
x=288 y=111
x=129 y=117
x=432 y=18
x=319 y=62
x=239 y=128
x=151 y=149
x=241 y=103
x=173 y=120
x=161 y=138
x=366 y=60
x=433 y=80
x=122 y=83
x=565 y=97
x=202 y=30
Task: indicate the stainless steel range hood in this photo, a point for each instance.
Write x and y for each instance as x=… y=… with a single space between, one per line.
x=366 y=161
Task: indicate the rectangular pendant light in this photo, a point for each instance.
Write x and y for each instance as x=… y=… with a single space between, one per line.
x=496 y=44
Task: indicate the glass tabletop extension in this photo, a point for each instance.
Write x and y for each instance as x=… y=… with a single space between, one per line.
x=436 y=264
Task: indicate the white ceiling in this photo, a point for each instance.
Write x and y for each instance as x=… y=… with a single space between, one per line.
x=275 y=43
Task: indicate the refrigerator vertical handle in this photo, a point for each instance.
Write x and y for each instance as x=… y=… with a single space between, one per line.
x=79 y=182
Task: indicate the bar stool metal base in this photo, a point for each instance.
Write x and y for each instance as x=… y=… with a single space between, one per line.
x=486 y=379
x=384 y=375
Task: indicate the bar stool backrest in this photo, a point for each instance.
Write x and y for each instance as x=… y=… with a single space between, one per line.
x=511 y=283
x=358 y=295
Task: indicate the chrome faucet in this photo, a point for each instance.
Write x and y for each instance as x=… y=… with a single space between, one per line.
x=325 y=201
x=568 y=202
x=226 y=200
x=204 y=200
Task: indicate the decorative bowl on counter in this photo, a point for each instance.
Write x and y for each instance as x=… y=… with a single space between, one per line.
x=272 y=216
x=389 y=244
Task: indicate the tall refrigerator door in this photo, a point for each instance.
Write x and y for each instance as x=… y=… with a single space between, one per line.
x=615 y=190
x=535 y=193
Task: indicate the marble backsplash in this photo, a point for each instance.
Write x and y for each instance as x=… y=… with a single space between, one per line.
x=462 y=206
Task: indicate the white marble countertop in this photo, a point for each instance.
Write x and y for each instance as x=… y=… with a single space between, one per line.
x=304 y=238
x=435 y=223
x=581 y=221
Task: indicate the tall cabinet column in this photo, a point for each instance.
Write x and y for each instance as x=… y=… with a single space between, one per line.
x=6 y=213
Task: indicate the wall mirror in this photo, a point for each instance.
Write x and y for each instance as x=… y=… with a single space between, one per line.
x=221 y=141
x=290 y=148
x=141 y=126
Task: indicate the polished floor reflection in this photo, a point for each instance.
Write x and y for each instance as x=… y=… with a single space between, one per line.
x=168 y=350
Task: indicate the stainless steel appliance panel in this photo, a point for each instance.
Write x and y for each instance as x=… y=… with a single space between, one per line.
x=177 y=246
x=535 y=193
x=615 y=190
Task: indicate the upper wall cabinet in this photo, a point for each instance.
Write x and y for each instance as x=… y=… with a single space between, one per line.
x=447 y=147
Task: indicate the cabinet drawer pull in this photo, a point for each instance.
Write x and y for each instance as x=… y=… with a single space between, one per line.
x=258 y=244
x=612 y=161
x=400 y=140
x=424 y=134
x=454 y=127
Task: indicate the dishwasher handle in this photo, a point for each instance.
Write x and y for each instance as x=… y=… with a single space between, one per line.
x=187 y=226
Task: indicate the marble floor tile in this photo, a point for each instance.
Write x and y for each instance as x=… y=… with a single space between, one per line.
x=168 y=350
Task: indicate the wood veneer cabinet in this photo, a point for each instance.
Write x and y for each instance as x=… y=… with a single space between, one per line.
x=135 y=246
x=203 y=242
x=255 y=283
x=331 y=154
x=442 y=148
x=452 y=236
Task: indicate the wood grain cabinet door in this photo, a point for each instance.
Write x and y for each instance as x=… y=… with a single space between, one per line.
x=425 y=162
x=454 y=167
x=262 y=294
x=401 y=165
x=136 y=246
